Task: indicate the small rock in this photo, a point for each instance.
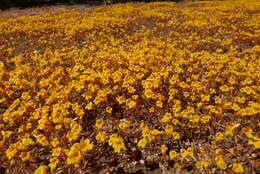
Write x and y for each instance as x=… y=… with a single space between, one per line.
x=141 y=161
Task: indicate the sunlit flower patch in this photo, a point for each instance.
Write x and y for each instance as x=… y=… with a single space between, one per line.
x=170 y=85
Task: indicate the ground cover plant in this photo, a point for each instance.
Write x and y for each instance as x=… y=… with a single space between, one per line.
x=157 y=87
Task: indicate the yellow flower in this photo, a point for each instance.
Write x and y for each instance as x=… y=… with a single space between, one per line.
x=173 y=154
x=142 y=142
x=6 y=134
x=202 y=164
x=53 y=162
x=99 y=123
x=164 y=148
x=86 y=145
x=74 y=132
x=89 y=106
x=56 y=151
x=109 y=109
x=188 y=152
x=239 y=99
x=118 y=145
x=74 y=155
x=205 y=119
x=58 y=126
x=219 y=136
x=255 y=142
x=25 y=143
x=42 y=140
x=116 y=142
x=101 y=136
x=55 y=142
x=218 y=151
x=151 y=109
x=131 y=104
x=121 y=99
x=124 y=125
x=41 y=170
x=44 y=123
x=57 y=117
x=229 y=130
x=218 y=100
x=25 y=156
x=194 y=119
x=238 y=168
x=175 y=121
x=78 y=110
x=176 y=136
x=168 y=129
x=247 y=81
x=159 y=103
x=220 y=162
x=167 y=117
x=224 y=88
x=247 y=132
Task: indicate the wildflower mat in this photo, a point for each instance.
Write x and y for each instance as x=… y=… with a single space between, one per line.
x=146 y=88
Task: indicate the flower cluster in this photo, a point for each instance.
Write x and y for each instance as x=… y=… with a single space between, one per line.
x=172 y=83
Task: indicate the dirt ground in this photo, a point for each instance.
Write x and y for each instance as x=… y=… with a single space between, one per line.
x=86 y=7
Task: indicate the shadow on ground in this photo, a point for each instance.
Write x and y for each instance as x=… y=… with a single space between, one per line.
x=7 y=4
